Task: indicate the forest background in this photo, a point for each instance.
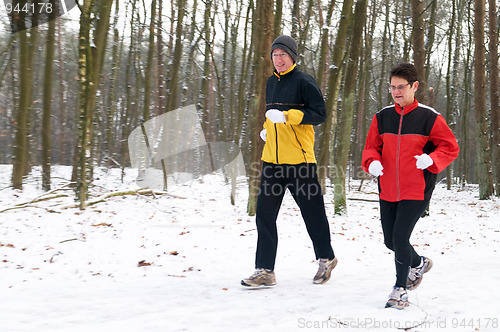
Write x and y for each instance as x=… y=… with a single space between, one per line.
x=75 y=87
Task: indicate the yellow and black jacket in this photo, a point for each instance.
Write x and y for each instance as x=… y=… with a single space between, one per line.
x=297 y=95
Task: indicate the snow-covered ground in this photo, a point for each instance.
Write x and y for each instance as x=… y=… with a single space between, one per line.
x=174 y=262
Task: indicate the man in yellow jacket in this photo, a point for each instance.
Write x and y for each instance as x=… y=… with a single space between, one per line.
x=294 y=104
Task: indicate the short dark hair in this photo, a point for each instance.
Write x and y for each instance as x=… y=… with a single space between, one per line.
x=405 y=70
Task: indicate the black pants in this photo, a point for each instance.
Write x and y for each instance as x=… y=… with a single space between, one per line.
x=398 y=220
x=303 y=184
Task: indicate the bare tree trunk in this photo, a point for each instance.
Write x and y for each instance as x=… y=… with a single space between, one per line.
x=173 y=96
x=364 y=104
x=465 y=119
x=263 y=31
x=21 y=138
x=90 y=66
x=382 y=83
x=149 y=65
x=192 y=94
x=47 y=102
x=431 y=36
x=278 y=16
x=79 y=166
x=343 y=140
x=401 y=21
x=484 y=168
x=418 y=37
x=233 y=100
x=333 y=91
x=111 y=107
x=323 y=53
x=459 y=109
x=4 y=66
x=223 y=103
x=33 y=44
x=449 y=87
x=129 y=110
x=27 y=50
x=295 y=19
x=206 y=78
x=160 y=96
x=247 y=59
x=494 y=92
x=62 y=151
x=304 y=27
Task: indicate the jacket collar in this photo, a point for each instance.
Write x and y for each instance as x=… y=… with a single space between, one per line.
x=280 y=75
x=408 y=108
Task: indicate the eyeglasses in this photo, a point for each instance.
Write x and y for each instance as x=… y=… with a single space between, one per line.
x=279 y=55
x=401 y=87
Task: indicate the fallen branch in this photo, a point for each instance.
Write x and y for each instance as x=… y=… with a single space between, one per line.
x=57 y=189
x=36 y=200
x=103 y=198
x=44 y=197
x=363 y=199
x=94 y=201
x=75 y=239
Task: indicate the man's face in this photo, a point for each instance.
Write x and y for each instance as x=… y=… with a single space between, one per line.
x=402 y=91
x=282 y=60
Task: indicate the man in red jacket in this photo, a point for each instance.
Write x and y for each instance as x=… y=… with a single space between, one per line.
x=407 y=145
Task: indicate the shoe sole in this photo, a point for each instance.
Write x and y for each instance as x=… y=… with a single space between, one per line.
x=419 y=280
x=322 y=281
x=243 y=283
x=399 y=305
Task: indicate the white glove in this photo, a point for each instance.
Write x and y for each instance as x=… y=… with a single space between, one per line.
x=376 y=168
x=424 y=161
x=276 y=116
x=263 y=134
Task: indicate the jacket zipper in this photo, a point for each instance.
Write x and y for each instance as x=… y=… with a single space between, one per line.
x=276 y=131
x=276 y=127
x=398 y=151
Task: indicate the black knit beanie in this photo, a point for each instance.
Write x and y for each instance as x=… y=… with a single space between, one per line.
x=287 y=44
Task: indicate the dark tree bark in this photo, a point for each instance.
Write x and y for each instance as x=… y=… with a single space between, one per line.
x=494 y=91
x=418 y=37
x=483 y=163
x=47 y=101
x=346 y=116
x=263 y=34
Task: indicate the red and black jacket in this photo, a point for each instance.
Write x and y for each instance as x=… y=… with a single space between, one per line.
x=395 y=137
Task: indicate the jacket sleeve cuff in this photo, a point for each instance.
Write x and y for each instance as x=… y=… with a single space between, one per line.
x=293 y=116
